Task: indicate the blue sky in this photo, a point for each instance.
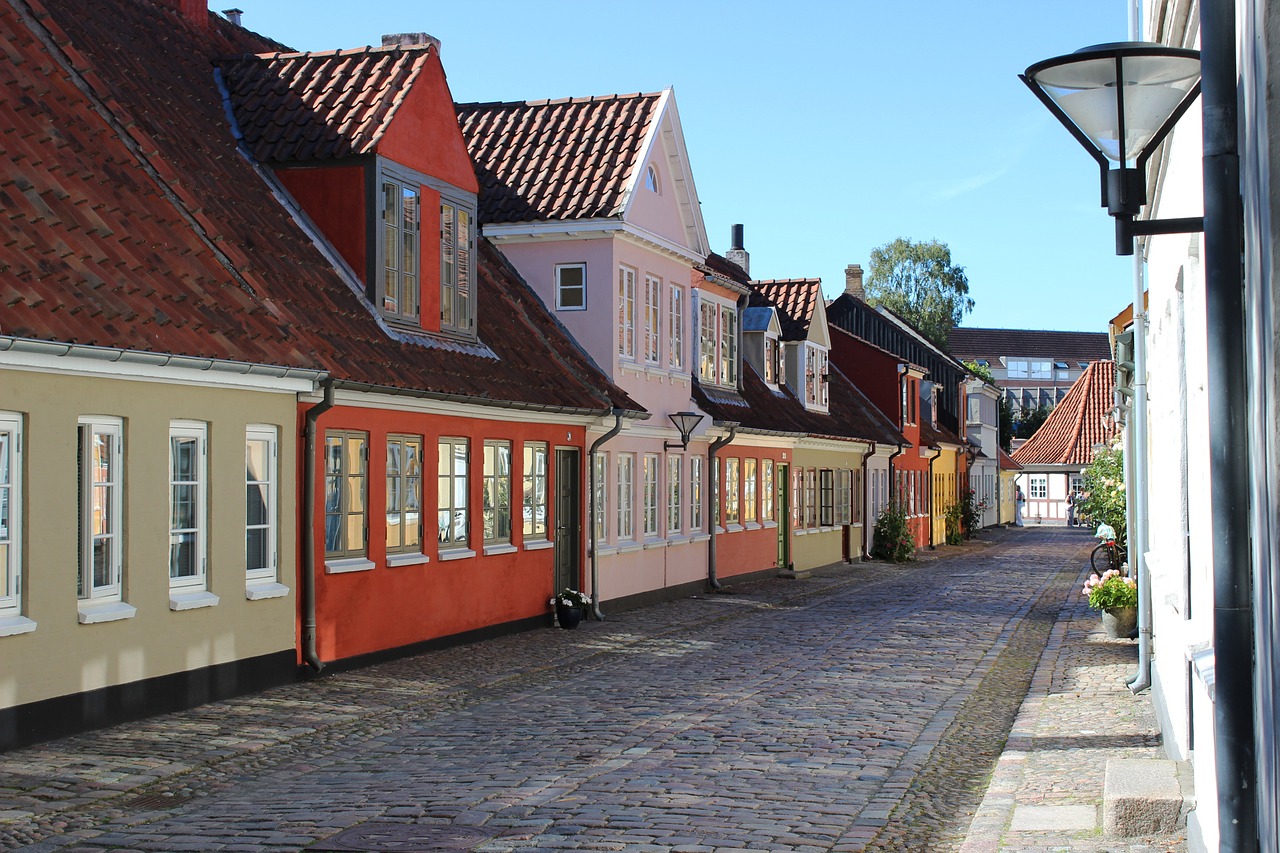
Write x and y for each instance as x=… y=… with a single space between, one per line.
x=826 y=128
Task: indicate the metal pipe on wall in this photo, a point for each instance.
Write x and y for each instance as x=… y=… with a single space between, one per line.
x=591 y=516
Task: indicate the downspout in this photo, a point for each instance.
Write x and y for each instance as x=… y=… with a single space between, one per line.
x=932 y=459
x=865 y=551
x=713 y=498
x=591 y=516
x=308 y=574
x=1229 y=455
x=1137 y=460
x=902 y=448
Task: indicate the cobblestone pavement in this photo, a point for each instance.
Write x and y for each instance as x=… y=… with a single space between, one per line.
x=862 y=709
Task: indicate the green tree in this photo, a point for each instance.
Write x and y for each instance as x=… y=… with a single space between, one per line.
x=1030 y=420
x=1104 y=498
x=919 y=282
x=1006 y=424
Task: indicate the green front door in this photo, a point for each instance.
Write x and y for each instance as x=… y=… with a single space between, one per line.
x=783 y=504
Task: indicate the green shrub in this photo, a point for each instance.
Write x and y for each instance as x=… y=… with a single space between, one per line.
x=1111 y=590
x=1103 y=495
x=893 y=539
x=971 y=510
x=955 y=523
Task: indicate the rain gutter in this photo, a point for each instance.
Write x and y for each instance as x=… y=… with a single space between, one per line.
x=308 y=574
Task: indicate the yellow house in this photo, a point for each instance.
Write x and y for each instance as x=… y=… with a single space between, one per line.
x=946 y=474
x=1006 y=491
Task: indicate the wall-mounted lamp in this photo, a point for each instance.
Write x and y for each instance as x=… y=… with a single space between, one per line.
x=1120 y=101
x=686 y=423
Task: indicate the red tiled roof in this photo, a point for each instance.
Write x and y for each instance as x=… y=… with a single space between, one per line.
x=571 y=158
x=968 y=344
x=132 y=221
x=1083 y=419
x=795 y=299
x=1007 y=463
x=722 y=266
x=320 y=106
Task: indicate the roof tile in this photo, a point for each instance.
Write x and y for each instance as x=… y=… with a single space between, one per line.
x=1082 y=420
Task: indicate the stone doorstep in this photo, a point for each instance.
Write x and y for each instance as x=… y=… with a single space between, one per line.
x=1145 y=796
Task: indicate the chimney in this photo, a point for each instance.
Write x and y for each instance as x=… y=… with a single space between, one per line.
x=411 y=40
x=853 y=281
x=736 y=253
x=233 y=15
x=194 y=12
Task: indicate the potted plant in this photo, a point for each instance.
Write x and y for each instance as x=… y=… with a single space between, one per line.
x=1117 y=597
x=570 y=606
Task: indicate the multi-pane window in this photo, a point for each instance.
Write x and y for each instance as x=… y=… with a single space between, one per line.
x=695 y=492
x=345 y=484
x=652 y=303
x=601 y=468
x=400 y=246
x=626 y=495
x=707 y=328
x=452 y=507
x=673 y=494
x=732 y=489
x=534 y=490
x=810 y=498
x=815 y=375
x=728 y=345
x=858 y=496
x=844 y=496
x=770 y=361
x=10 y=513
x=187 y=485
x=101 y=463
x=797 y=496
x=571 y=287
x=457 y=307
x=404 y=494
x=260 y=473
x=649 y=504
x=749 y=492
x=1077 y=484
x=626 y=312
x=496 y=493
x=826 y=497
x=1038 y=486
x=766 y=489
x=1042 y=370
x=1017 y=369
x=675 y=327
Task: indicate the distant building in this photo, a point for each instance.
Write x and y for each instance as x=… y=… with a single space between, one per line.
x=1032 y=367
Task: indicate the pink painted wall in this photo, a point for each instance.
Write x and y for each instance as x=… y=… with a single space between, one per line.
x=658 y=212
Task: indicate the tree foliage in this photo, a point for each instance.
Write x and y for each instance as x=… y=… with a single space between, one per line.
x=1029 y=420
x=1104 y=498
x=919 y=282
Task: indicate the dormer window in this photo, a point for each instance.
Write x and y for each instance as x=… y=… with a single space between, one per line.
x=717 y=342
x=651 y=180
x=457 y=305
x=815 y=376
x=771 y=350
x=401 y=212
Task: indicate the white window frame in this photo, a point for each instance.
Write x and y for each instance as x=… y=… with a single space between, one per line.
x=750 y=491
x=11 y=485
x=626 y=496
x=626 y=312
x=674 y=475
x=695 y=493
x=675 y=327
x=262 y=582
x=562 y=288
x=652 y=319
x=651 y=180
x=649 y=496
x=844 y=496
x=766 y=489
x=197 y=432
x=1041 y=370
x=708 y=355
x=1017 y=368
x=406 y=303
x=601 y=497
x=771 y=361
x=102 y=602
x=728 y=345
x=732 y=491
x=1038 y=486
x=533 y=476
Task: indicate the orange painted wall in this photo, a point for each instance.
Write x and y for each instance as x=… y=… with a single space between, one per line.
x=387 y=607
x=910 y=460
x=424 y=134
x=334 y=198
x=745 y=551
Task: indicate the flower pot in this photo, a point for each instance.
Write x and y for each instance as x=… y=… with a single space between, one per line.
x=1119 y=622
x=568 y=617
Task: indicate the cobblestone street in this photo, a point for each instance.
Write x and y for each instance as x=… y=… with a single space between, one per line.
x=862 y=709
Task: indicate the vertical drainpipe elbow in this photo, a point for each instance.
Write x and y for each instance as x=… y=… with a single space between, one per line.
x=591 y=516
x=308 y=574
x=713 y=500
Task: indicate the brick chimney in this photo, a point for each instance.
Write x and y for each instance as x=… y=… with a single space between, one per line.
x=853 y=281
x=195 y=12
x=410 y=40
x=736 y=253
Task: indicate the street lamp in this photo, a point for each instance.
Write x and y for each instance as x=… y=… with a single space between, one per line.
x=686 y=423
x=1120 y=101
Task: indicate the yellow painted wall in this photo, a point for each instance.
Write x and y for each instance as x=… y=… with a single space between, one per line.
x=1008 y=482
x=811 y=548
x=62 y=656
x=945 y=476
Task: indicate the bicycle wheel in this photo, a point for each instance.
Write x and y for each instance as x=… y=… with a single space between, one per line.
x=1100 y=559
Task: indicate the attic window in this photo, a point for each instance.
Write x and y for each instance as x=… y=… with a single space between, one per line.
x=400 y=216
x=651 y=180
x=982 y=362
x=1061 y=365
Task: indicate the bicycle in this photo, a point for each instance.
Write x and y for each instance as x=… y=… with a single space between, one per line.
x=1109 y=554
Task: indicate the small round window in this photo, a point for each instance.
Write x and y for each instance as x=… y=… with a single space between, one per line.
x=651 y=180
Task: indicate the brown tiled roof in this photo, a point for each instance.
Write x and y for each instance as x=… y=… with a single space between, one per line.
x=968 y=344
x=319 y=106
x=1007 y=463
x=565 y=159
x=795 y=299
x=131 y=221
x=720 y=265
x=1083 y=419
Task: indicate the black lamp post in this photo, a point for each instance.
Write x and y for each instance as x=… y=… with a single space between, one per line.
x=1120 y=101
x=686 y=423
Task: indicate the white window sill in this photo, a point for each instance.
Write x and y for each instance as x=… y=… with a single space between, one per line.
x=719 y=529
x=679 y=540
x=700 y=537
x=538 y=545
x=413 y=559
x=351 y=564
x=456 y=554
x=733 y=528
x=266 y=589
x=500 y=548
x=605 y=551
x=771 y=524
x=92 y=612
x=629 y=547
x=654 y=543
x=827 y=528
x=13 y=625
x=192 y=600
x=803 y=531
x=751 y=525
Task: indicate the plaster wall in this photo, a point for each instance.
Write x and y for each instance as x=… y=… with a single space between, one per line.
x=820 y=546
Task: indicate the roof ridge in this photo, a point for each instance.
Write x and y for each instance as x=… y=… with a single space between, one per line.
x=555 y=102
x=339 y=52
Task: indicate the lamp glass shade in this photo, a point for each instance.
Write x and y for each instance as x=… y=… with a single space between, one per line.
x=1084 y=84
x=686 y=422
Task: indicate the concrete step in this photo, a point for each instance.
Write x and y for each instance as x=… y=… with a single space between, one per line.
x=1143 y=796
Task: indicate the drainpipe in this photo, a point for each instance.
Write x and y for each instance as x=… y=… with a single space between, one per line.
x=865 y=550
x=902 y=448
x=932 y=459
x=591 y=516
x=1229 y=448
x=713 y=496
x=308 y=574
x=1137 y=461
